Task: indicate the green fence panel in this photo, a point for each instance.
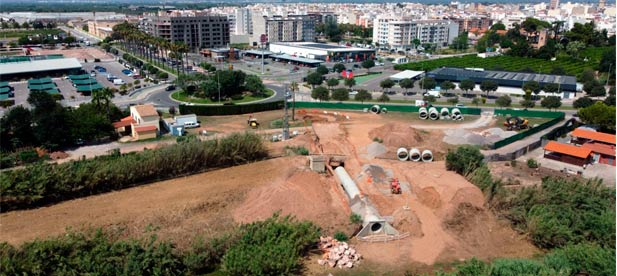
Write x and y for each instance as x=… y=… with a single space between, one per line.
x=212 y=110
x=390 y=107
x=528 y=113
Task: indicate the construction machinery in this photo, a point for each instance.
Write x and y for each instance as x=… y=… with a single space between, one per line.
x=253 y=123
x=395 y=186
x=516 y=123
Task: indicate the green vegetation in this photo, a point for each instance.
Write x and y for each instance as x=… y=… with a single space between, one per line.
x=32 y=32
x=48 y=183
x=464 y=159
x=573 y=218
x=367 y=77
x=599 y=114
x=299 y=150
x=513 y=63
x=184 y=97
x=271 y=247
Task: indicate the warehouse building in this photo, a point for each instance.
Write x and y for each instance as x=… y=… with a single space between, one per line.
x=26 y=67
x=323 y=52
x=503 y=78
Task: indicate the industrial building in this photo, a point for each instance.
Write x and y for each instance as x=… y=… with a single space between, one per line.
x=396 y=32
x=323 y=52
x=26 y=67
x=291 y=28
x=196 y=29
x=503 y=78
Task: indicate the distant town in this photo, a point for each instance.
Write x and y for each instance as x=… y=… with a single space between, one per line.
x=304 y=138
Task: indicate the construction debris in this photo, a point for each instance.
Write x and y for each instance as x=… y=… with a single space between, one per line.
x=337 y=253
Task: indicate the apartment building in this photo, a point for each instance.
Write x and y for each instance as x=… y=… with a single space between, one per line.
x=473 y=23
x=400 y=32
x=196 y=29
x=292 y=28
x=244 y=22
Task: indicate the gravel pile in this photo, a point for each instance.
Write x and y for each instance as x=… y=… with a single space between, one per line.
x=375 y=149
x=338 y=254
x=463 y=136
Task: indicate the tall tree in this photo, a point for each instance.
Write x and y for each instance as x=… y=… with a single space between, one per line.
x=427 y=83
x=551 y=102
x=599 y=114
x=488 y=86
x=350 y=82
x=322 y=70
x=532 y=86
x=406 y=84
x=363 y=95
x=314 y=79
x=340 y=94
x=386 y=84
x=467 y=85
x=320 y=93
x=447 y=85
x=16 y=129
x=332 y=82
x=368 y=64
x=504 y=101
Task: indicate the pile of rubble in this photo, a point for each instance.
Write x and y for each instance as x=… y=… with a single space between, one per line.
x=337 y=253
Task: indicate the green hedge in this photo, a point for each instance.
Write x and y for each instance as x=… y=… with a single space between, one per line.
x=45 y=183
x=212 y=110
x=557 y=117
x=397 y=108
x=7 y=103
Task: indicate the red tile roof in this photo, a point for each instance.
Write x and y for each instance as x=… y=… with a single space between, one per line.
x=600 y=148
x=124 y=122
x=145 y=128
x=593 y=135
x=146 y=110
x=567 y=149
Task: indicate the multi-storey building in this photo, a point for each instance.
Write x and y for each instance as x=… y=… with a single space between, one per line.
x=196 y=29
x=244 y=22
x=474 y=23
x=283 y=29
x=401 y=33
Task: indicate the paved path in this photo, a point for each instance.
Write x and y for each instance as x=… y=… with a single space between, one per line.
x=484 y=120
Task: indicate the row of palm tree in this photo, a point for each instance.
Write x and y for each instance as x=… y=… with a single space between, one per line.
x=151 y=47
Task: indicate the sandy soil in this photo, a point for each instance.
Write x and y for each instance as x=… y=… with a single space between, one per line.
x=89 y=53
x=443 y=213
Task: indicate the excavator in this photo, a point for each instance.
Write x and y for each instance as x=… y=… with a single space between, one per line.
x=516 y=123
x=252 y=122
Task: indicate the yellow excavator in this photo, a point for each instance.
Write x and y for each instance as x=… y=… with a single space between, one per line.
x=516 y=123
x=252 y=122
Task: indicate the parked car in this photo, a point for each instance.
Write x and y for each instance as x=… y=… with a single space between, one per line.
x=191 y=125
x=170 y=88
x=433 y=93
x=459 y=105
x=118 y=82
x=353 y=93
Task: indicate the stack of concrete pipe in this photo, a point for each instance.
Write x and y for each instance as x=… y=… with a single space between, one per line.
x=444 y=114
x=414 y=154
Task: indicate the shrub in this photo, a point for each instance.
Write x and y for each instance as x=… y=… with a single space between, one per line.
x=378 y=140
x=49 y=183
x=28 y=156
x=299 y=150
x=585 y=259
x=464 y=160
x=97 y=60
x=340 y=236
x=355 y=218
x=206 y=256
x=7 y=103
x=270 y=247
x=532 y=163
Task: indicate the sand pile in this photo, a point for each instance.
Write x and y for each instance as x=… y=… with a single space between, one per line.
x=462 y=136
x=397 y=135
x=306 y=195
x=375 y=150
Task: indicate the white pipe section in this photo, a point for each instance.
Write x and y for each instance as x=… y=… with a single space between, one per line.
x=348 y=184
x=383 y=110
x=433 y=114
x=423 y=113
x=375 y=109
x=444 y=111
x=427 y=156
x=414 y=155
x=456 y=111
x=402 y=154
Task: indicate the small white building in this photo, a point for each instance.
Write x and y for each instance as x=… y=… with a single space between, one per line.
x=407 y=74
x=146 y=120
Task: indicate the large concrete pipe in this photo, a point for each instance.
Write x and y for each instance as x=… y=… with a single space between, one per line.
x=433 y=114
x=348 y=184
x=445 y=113
x=383 y=110
x=414 y=155
x=402 y=154
x=375 y=109
x=423 y=113
x=427 y=156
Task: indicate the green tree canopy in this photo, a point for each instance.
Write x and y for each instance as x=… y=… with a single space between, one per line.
x=339 y=67
x=467 y=85
x=427 y=83
x=254 y=84
x=504 y=101
x=582 y=102
x=386 y=84
x=527 y=103
x=447 y=85
x=332 y=82
x=488 y=86
x=599 y=114
x=551 y=102
x=532 y=86
x=406 y=84
x=320 y=93
x=340 y=94
x=383 y=98
x=464 y=160
x=314 y=79
x=368 y=64
x=460 y=42
x=363 y=95
x=551 y=88
x=322 y=70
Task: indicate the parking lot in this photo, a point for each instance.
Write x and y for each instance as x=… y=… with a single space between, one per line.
x=114 y=68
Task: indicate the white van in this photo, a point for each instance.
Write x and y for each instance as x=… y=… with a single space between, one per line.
x=420 y=103
x=118 y=82
x=191 y=125
x=433 y=93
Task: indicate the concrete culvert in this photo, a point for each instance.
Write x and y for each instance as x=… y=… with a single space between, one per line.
x=383 y=110
x=427 y=156
x=375 y=109
x=433 y=114
x=402 y=154
x=423 y=113
x=414 y=155
x=376 y=227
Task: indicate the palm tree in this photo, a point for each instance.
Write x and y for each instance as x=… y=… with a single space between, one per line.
x=294 y=87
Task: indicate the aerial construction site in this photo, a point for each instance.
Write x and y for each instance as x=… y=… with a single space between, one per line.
x=387 y=168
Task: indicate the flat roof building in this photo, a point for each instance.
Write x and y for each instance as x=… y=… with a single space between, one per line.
x=322 y=51
x=12 y=68
x=503 y=78
x=196 y=29
x=282 y=29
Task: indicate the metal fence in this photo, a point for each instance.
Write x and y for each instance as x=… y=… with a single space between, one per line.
x=556 y=118
x=390 y=107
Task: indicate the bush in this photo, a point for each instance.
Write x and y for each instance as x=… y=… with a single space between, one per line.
x=584 y=259
x=7 y=103
x=299 y=150
x=97 y=60
x=355 y=218
x=48 y=183
x=28 y=156
x=340 y=236
x=464 y=160
x=532 y=163
x=270 y=247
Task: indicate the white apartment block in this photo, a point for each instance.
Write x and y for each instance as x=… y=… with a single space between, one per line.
x=292 y=28
x=400 y=33
x=244 y=22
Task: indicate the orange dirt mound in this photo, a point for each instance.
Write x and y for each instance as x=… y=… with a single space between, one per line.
x=397 y=135
x=429 y=197
x=306 y=195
